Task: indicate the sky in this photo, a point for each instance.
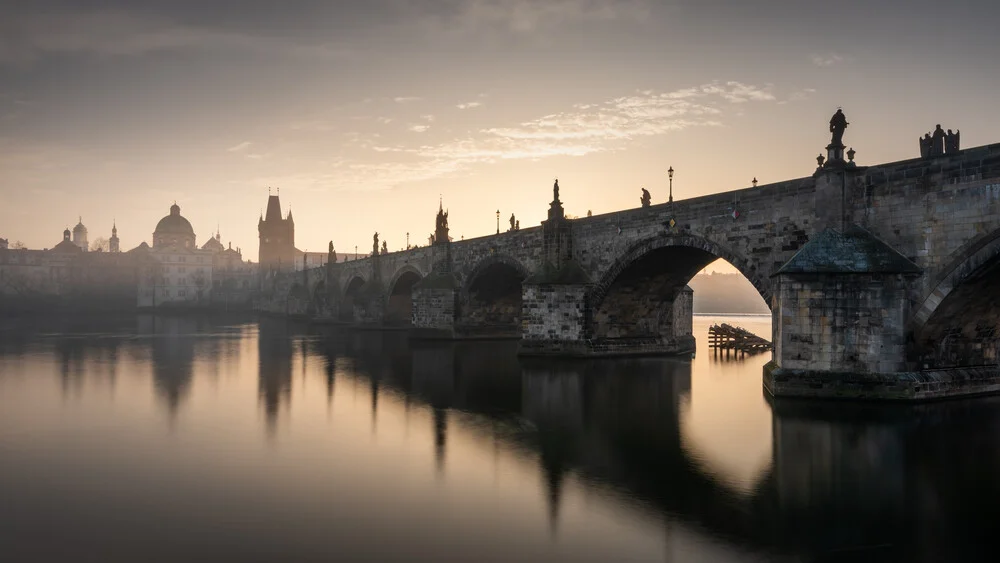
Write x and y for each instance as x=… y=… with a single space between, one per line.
x=364 y=114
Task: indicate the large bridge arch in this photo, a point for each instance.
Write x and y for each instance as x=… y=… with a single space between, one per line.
x=399 y=299
x=956 y=322
x=643 y=248
x=490 y=298
x=638 y=297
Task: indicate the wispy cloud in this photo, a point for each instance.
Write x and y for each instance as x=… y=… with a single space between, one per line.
x=239 y=147
x=469 y=105
x=405 y=99
x=826 y=60
x=582 y=129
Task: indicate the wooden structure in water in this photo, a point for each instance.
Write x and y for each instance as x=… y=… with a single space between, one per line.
x=733 y=338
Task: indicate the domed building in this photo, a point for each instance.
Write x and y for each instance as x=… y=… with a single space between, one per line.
x=80 y=235
x=174 y=230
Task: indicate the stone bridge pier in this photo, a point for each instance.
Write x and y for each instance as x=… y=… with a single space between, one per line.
x=883 y=281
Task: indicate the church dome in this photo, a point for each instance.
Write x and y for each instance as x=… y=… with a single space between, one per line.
x=174 y=224
x=79 y=228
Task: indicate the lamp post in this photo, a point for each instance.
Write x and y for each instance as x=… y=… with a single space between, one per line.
x=498 y=221
x=407 y=240
x=670 y=174
x=355 y=252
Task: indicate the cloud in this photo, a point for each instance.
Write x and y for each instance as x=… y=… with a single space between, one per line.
x=826 y=60
x=582 y=129
x=405 y=99
x=239 y=147
x=30 y=36
x=528 y=16
x=469 y=105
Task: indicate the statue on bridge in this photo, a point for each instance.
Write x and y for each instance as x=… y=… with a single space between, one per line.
x=645 y=199
x=555 y=190
x=385 y=247
x=331 y=254
x=938 y=142
x=838 y=123
x=375 y=245
x=951 y=142
x=513 y=222
x=925 y=145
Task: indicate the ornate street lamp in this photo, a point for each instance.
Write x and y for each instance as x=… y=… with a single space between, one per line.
x=498 y=221
x=670 y=174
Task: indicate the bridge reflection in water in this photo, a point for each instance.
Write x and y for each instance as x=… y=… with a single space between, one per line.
x=656 y=440
x=846 y=481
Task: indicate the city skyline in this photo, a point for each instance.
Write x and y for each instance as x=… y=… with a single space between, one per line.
x=364 y=116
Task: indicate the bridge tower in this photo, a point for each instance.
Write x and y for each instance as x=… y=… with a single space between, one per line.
x=277 y=238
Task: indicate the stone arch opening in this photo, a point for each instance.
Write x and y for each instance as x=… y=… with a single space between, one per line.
x=644 y=299
x=399 y=308
x=351 y=293
x=957 y=323
x=491 y=299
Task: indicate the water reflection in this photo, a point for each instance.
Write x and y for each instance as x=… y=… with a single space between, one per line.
x=462 y=451
x=274 y=374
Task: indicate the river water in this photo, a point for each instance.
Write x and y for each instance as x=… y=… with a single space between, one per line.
x=232 y=439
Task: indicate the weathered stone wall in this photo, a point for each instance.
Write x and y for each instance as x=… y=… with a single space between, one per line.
x=943 y=213
x=553 y=319
x=434 y=311
x=841 y=323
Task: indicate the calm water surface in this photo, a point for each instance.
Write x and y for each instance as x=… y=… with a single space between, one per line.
x=228 y=439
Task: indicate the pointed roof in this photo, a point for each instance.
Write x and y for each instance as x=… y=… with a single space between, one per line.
x=273 y=209
x=213 y=244
x=854 y=251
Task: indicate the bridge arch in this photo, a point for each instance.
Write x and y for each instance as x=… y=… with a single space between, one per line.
x=643 y=248
x=643 y=295
x=399 y=299
x=490 y=299
x=352 y=290
x=957 y=320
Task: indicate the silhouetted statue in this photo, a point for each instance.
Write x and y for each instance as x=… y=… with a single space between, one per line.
x=517 y=225
x=331 y=254
x=645 y=199
x=838 y=123
x=440 y=226
x=925 y=145
x=375 y=245
x=513 y=221
x=385 y=247
x=555 y=191
x=951 y=142
x=937 y=141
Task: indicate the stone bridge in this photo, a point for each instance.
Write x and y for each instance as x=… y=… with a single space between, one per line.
x=882 y=280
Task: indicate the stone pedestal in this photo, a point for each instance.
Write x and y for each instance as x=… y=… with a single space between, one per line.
x=839 y=320
x=835 y=155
